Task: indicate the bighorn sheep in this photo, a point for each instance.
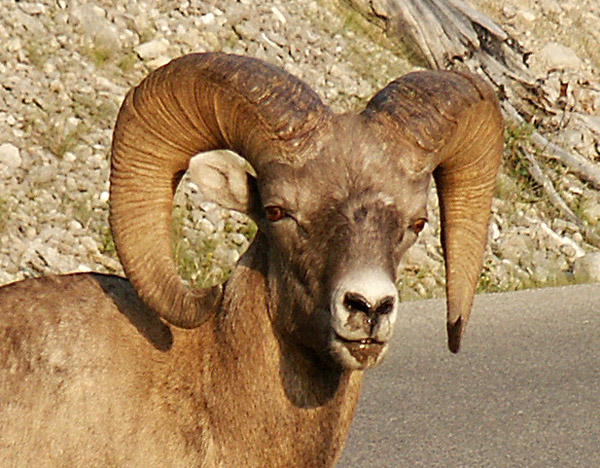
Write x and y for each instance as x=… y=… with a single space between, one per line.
x=265 y=370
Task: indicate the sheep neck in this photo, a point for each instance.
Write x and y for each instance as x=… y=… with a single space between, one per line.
x=273 y=386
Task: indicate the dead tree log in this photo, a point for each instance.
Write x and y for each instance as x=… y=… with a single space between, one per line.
x=450 y=34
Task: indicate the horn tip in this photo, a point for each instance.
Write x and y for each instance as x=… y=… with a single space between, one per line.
x=455 y=332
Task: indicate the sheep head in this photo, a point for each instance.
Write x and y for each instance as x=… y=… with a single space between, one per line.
x=337 y=198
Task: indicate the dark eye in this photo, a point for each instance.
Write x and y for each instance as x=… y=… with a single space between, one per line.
x=418 y=225
x=274 y=213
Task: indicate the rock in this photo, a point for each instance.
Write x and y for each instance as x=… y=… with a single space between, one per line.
x=417 y=258
x=248 y=30
x=75 y=225
x=10 y=156
x=45 y=174
x=32 y=8
x=509 y=11
x=92 y=20
x=278 y=15
x=205 y=226
x=50 y=255
x=152 y=49
x=89 y=243
x=515 y=247
x=555 y=56
x=591 y=212
x=550 y=6
x=568 y=250
x=494 y=231
x=238 y=239
x=587 y=268
x=158 y=62
x=524 y=15
x=541 y=274
x=232 y=257
x=207 y=19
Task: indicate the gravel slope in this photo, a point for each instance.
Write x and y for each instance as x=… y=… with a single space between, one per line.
x=66 y=65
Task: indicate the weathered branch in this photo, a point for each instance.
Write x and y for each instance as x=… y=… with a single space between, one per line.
x=538 y=175
x=582 y=167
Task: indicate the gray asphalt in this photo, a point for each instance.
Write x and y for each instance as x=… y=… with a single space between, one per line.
x=523 y=392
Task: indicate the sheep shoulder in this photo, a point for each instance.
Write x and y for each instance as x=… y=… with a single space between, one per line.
x=87 y=362
x=83 y=363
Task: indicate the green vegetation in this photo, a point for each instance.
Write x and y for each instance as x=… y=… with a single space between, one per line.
x=36 y=54
x=249 y=230
x=107 y=243
x=515 y=166
x=419 y=283
x=195 y=259
x=83 y=212
x=59 y=141
x=99 y=55
x=127 y=61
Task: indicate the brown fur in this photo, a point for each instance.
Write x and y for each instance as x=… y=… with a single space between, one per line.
x=143 y=394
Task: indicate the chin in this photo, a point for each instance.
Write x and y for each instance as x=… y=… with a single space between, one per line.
x=356 y=354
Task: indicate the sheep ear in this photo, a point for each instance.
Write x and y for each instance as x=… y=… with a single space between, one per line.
x=224 y=178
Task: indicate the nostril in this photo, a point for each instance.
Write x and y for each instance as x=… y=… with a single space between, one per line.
x=355 y=302
x=385 y=306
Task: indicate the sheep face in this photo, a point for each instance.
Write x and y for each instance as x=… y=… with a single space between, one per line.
x=336 y=228
x=338 y=198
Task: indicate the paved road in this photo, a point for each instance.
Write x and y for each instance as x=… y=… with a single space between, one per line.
x=523 y=392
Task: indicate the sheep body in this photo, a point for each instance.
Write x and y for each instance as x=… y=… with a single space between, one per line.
x=142 y=394
x=265 y=369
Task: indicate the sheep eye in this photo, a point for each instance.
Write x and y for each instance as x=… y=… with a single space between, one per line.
x=418 y=225
x=274 y=213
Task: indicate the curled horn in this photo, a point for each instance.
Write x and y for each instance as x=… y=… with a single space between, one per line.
x=197 y=103
x=453 y=126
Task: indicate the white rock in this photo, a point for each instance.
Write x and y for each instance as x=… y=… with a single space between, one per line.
x=158 y=62
x=238 y=238
x=208 y=19
x=30 y=232
x=591 y=212
x=587 y=268
x=204 y=225
x=50 y=255
x=152 y=49
x=10 y=156
x=69 y=157
x=32 y=8
x=550 y=6
x=509 y=11
x=557 y=56
x=89 y=243
x=81 y=268
x=232 y=257
x=75 y=225
x=279 y=16
x=526 y=16
x=92 y=19
x=494 y=231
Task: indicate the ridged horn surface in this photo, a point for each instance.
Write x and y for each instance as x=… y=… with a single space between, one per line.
x=452 y=125
x=197 y=103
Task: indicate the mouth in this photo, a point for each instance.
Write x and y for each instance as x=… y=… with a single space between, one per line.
x=363 y=353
